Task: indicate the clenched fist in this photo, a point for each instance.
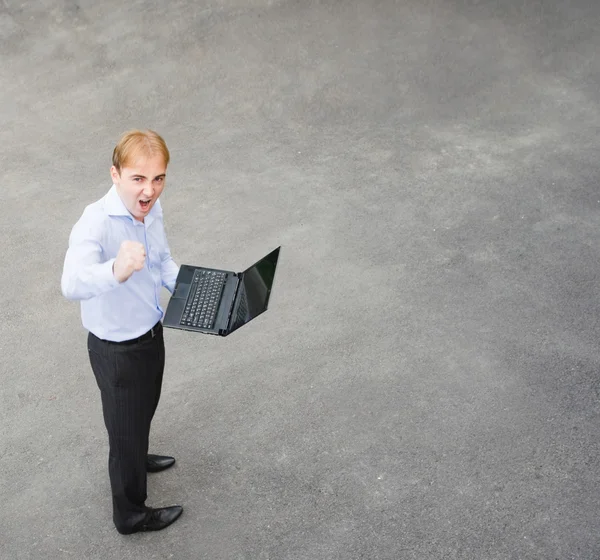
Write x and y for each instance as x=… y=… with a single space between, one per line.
x=131 y=257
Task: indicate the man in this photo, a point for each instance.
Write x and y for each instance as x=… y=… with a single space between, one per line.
x=116 y=263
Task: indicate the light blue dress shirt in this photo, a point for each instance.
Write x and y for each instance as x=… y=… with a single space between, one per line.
x=109 y=309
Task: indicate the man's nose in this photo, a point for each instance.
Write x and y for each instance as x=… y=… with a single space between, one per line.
x=148 y=191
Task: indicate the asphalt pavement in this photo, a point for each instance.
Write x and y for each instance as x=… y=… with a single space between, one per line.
x=424 y=385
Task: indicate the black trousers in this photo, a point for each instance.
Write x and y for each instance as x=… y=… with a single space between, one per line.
x=129 y=376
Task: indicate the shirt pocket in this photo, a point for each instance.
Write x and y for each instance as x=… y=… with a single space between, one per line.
x=155 y=246
x=154 y=257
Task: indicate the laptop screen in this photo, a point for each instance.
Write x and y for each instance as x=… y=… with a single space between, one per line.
x=255 y=289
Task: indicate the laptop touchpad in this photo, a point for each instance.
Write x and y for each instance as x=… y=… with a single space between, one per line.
x=182 y=291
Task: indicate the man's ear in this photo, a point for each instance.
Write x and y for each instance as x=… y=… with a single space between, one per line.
x=114 y=175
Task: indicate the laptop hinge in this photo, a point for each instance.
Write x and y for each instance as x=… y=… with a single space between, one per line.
x=239 y=276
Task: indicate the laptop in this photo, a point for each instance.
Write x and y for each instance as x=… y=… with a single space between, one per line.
x=213 y=301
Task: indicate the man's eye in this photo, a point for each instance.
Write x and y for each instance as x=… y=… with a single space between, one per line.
x=137 y=179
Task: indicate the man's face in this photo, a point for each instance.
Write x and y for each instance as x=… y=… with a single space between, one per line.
x=140 y=184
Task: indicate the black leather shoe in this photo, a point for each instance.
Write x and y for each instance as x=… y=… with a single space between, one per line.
x=155 y=520
x=157 y=463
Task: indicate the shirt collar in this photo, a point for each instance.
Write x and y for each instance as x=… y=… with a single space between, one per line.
x=114 y=207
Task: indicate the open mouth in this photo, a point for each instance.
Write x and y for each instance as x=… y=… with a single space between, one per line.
x=145 y=204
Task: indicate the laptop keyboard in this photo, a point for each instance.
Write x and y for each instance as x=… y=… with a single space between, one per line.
x=203 y=300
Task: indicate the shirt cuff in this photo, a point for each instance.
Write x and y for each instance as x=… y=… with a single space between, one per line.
x=106 y=276
x=170 y=286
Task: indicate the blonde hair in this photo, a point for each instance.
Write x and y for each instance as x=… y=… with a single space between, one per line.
x=139 y=143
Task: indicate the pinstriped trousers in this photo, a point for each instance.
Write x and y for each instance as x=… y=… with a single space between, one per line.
x=129 y=376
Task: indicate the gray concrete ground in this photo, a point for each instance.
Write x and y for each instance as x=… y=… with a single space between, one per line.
x=425 y=384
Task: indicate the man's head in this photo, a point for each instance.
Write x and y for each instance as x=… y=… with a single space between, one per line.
x=139 y=170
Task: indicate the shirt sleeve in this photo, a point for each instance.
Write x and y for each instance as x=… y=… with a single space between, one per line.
x=85 y=273
x=168 y=269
